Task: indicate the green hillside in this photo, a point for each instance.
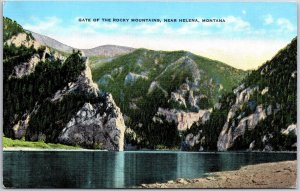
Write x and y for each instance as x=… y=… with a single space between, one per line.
x=142 y=81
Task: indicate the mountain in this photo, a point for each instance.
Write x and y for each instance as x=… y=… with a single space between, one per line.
x=259 y=114
x=50 y=42
x=103 y=51
x=50 y=97
x=163 y=93
x=107 y=51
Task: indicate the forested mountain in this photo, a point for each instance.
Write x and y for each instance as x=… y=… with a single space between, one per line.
x=260 y=114
x=52 y=98
x=162 y=93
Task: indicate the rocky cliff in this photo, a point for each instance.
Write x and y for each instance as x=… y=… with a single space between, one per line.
x=52 y=98
x=264 y=114
x=259 y=114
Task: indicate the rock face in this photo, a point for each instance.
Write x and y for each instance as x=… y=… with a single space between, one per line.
x=290 y=130
x=23 y=39
x=132 y=77
x=92 y=128
x=98 y=125
x=237 y=123
x=184 y=120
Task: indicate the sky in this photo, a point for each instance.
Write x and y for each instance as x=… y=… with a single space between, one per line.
x=252 y=33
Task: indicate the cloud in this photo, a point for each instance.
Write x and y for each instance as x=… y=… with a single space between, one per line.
x=47 y=24
x=150 y=28
x=285 y=25
x=268 y=19
x=244 y=12
x=188 y=28
x=235 y=24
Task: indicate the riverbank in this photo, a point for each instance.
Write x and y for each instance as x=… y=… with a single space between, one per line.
x=18 y=145
x=43 y=149
x=266 y=175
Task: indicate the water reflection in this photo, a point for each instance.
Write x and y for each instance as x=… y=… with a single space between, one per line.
x=118 y=169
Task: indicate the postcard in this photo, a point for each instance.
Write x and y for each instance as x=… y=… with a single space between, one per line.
x=160 y=94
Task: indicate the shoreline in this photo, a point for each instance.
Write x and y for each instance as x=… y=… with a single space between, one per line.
x=158 y=151
x=265 y=175
x=24 y=149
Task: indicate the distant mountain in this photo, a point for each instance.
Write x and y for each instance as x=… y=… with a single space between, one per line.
x=108 y=51
x=163 y=93
x=259 y=114
x=104 y=51
x=52 y=43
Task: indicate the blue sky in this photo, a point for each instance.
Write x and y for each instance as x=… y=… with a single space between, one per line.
x=253 y=30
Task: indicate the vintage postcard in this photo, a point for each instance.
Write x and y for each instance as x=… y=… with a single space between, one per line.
x=149 y=94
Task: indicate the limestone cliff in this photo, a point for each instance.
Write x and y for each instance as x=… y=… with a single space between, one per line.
x=259 y=114
x=263 y=114
x=52 y=98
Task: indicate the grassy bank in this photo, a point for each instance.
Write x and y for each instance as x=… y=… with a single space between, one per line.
x=10 y=143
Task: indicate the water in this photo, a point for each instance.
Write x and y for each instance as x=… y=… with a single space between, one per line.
x=59 y=169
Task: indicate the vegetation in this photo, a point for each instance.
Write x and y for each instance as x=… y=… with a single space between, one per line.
x=48 y=77
x=12 y=28
x=30 y=94
x=212 y=128
x=169 y=70
x=7 y=143
x=280 y=78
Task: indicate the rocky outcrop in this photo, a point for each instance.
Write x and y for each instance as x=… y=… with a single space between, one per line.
x=84 y=83
x=291 y=130
x=231 y=133
x=26 y=68
x=92 y=128
x=132 y=77
x=21 y=126
x=191 y=140
x=237 y=123
x=184 y=120
x=97 y=124
x=23 y=39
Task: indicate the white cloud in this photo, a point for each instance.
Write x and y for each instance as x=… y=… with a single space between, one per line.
x=188 y=28
x=41 y=26
x=268 y=19
x=285 y=25
x=234 y=24
x=149 y=28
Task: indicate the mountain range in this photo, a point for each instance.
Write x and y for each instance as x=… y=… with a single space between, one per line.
x=166 y=99
x=105 y=50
